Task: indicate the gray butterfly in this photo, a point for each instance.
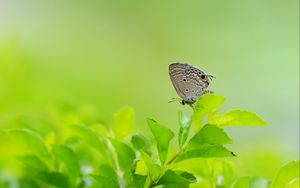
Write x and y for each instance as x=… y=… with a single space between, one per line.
x=189 y=82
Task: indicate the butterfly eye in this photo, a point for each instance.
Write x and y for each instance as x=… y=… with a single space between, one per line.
x=202 y=77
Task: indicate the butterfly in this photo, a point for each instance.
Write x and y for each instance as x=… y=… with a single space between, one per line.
x=189 y=82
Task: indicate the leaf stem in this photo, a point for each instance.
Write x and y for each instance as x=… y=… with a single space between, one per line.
x=120 y=174
x=175 y=156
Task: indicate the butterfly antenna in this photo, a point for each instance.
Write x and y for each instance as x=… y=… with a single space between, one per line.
x=211 y=76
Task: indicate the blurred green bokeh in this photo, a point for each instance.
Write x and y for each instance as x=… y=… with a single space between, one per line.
x=93 y=57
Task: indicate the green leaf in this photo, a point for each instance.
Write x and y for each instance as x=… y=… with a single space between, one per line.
x=29 y=139
x=243 y=182
x=173 y=177
x=91 y=137
x=227 y=173
x=177 y=186
x=141 y=142
x=205 y=151
x=108 y=171
x=69 y=158
x=138 y=181
x=25 y=183
x=288 y=176
x=238 y=118
x=153 y=168
x=206 y=104
x=55 y=179
x=251 y=182
x=123 y=122
x=163 y=136
x=33 y=163
x=104 y=182
x=185 y=125
x=210 y=134
x=294 y=184
x=107 y=177
x=126 y=155
x=126 y=158
x=188 y=176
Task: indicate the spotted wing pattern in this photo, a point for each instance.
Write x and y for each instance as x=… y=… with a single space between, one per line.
x=185 y=79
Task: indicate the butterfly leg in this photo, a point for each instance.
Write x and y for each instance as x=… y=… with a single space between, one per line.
x=207 y=91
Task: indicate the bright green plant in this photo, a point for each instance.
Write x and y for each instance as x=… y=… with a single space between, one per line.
x=116 y=156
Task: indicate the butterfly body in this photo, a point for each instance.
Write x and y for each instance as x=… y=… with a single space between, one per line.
x=189 y=82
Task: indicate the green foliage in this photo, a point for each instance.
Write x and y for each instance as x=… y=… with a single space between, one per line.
x=107 y=177
x=288 y=176
x=123 y=122
x=206 y=105
x=206 y=151
x=238 y=118
x=185 y=125
x=163 y=136
x=90 y=136
x=210 y=134
x=177 y=178
x=251 y=182
x=56 y=179
x=154 y=169
x=117 y=157
x=33 y=163
x=125 y=161
x=141 y=142
x=30 y=140
x=104 y=181
x=68 y=157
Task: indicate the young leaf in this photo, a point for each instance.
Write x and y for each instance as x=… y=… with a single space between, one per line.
x=107 y=176
x=125 y=154
x=91 y=137
x=205 y=151
x=185 y=125
x=103 y=181
x=206 y=104
x=69 y=158
x=242 y=182
x=188 y=176
x=210 y=134
x=238 y=118
x=138 y=181
x=33 y=163
x=288 y=176
x=176 y=178
x=227 y=173
x=31 y=140
x=123 y=122
x=126 y=157
x=163 y=136
x=55 y=179
x=108 y=170
x=141 y=142
x=25 y=182
x=153 y=169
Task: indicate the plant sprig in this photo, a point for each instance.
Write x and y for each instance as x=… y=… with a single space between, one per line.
x=119 y=157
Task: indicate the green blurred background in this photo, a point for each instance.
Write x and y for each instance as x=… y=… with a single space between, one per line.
x=93 y=57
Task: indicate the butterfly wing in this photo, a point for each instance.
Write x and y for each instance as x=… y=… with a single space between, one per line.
x=185 y=79
x=177 y=75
